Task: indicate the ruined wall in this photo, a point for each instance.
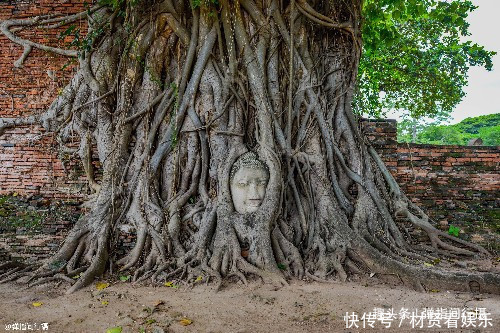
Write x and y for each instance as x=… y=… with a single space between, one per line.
x=29 y=163
x=33 y=229
x=456 y=185
x=454 y=182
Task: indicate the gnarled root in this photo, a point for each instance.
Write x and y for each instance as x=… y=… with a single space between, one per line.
x=425 y=278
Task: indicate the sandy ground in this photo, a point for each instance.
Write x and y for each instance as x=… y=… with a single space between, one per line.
x=299 y=307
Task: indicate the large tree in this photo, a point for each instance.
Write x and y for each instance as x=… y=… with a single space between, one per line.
x=171 y=93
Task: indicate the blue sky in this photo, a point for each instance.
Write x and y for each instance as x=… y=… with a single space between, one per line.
x=483 y=91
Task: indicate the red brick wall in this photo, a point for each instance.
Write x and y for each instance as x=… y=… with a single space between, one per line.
x=457 y=185
x=28 y=162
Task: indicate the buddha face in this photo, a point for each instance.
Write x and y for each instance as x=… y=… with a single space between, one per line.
x=248 y=188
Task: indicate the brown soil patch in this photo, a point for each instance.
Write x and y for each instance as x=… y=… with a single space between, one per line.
x=299 y=307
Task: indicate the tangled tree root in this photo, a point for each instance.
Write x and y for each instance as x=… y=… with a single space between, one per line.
x=169 y=95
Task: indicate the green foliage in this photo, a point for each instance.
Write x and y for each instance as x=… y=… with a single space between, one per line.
x=485 y=127
x=115 y=4
x=85 y=43
x=117 y=329
x=282 y=267
x=414 y=56
x=98 y=26
x=476 y=124
x=207 y=3
x=454 y=231
x=490 y=135
x=12 y=216
x=409 y=127
x=445 y=135
x=124 y=278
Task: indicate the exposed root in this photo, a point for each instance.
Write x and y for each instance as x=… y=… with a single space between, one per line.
x=56 y=277
x=317 y=279
x=423 y=278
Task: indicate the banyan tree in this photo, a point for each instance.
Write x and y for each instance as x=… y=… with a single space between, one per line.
x=228 y=146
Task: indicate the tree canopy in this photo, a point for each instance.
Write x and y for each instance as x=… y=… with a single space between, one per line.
x=416 y=56
x=484 y=127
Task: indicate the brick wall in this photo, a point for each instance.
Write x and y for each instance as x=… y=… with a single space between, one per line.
x=27 y=245
x=33 y=228
x=455 y=184
x=29 y=163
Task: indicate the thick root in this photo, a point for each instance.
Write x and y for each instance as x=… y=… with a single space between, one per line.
x=426 y=278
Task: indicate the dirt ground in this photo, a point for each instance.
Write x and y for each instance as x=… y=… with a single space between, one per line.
x=299 y=307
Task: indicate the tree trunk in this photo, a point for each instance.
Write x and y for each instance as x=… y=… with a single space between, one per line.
x=172 y=93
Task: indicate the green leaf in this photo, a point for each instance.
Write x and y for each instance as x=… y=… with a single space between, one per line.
x=67 y=32
x=282 y=267
x=415 y=58
x=453 y=230
x=124 y=278
x=117 y=329
x=436 y=261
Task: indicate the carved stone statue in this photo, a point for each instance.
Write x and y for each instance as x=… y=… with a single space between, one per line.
x=248 y=181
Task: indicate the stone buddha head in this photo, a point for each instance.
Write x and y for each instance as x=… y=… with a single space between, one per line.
x=248 y=182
